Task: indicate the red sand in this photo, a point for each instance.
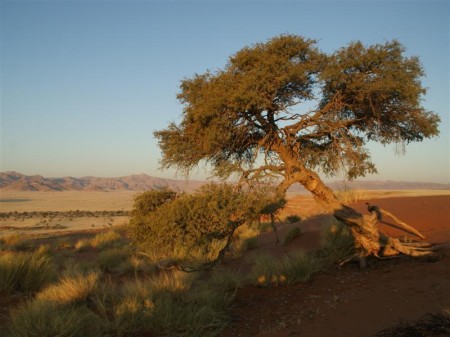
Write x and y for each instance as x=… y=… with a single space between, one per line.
x=351 y=302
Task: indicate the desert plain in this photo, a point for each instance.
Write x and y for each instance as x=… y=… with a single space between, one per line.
x=341 y=301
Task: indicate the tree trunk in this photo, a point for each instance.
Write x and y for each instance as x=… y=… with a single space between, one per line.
x=368 y=239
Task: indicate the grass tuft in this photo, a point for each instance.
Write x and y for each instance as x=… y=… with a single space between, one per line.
x=25 y=271
x=349 y=196
x=293 y=233
x=114 y=260
x=269 y=270
x=70 y=290
x=107 y=240
x=42 y=318
x=337 y=244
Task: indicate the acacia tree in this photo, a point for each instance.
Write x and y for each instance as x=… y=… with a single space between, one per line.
x=284 y=108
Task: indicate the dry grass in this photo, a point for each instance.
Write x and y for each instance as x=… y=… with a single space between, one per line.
x=25 y=272
x=269 y=270
x=107 y=239
x=349 y=196
x=42 y=318
x=70 y=290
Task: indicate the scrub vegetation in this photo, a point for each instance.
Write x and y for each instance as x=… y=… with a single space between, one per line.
x=129 y=281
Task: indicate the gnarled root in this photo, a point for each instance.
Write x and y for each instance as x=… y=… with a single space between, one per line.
x=369 y=240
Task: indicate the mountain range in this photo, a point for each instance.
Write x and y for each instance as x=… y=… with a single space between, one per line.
x=141 y=182
x=14 y=181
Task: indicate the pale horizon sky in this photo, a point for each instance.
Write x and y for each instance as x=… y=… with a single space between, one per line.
x=84 y=84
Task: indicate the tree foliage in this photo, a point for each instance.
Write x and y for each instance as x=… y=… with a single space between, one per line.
x=283 y=107
x=147 y=202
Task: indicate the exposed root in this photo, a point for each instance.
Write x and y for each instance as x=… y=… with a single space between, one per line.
x=403 y=226
x=370 y=241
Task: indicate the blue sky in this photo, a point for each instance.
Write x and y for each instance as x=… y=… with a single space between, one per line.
x=84 y=84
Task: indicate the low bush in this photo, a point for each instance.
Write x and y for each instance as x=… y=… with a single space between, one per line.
x=195 y=223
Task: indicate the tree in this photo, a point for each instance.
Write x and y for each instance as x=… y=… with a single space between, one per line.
x=286 y=109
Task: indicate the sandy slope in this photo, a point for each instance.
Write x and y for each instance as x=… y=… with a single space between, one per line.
x=351 y=302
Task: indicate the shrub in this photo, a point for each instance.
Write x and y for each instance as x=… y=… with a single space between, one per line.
x=194 y=222
x=25 y=271
x=147 y=202
x=293 y=233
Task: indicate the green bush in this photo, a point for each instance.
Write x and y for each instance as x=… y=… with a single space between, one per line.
x=147 y=202
x=195 y=222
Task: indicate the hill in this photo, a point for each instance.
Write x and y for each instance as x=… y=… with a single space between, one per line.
x=14 y=181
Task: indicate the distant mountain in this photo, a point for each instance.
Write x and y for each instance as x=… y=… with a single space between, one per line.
x=19 y=182
x=142 y=182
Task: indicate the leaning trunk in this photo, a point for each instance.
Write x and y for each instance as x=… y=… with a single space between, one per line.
x=368 y=239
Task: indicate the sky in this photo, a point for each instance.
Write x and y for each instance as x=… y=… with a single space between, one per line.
x=84 y=84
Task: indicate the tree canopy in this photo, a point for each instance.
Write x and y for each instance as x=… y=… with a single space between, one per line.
x=284 y=108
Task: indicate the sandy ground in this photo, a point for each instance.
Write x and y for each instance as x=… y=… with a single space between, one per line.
x=19 y=201
x=342 y=302
x=348 y=301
